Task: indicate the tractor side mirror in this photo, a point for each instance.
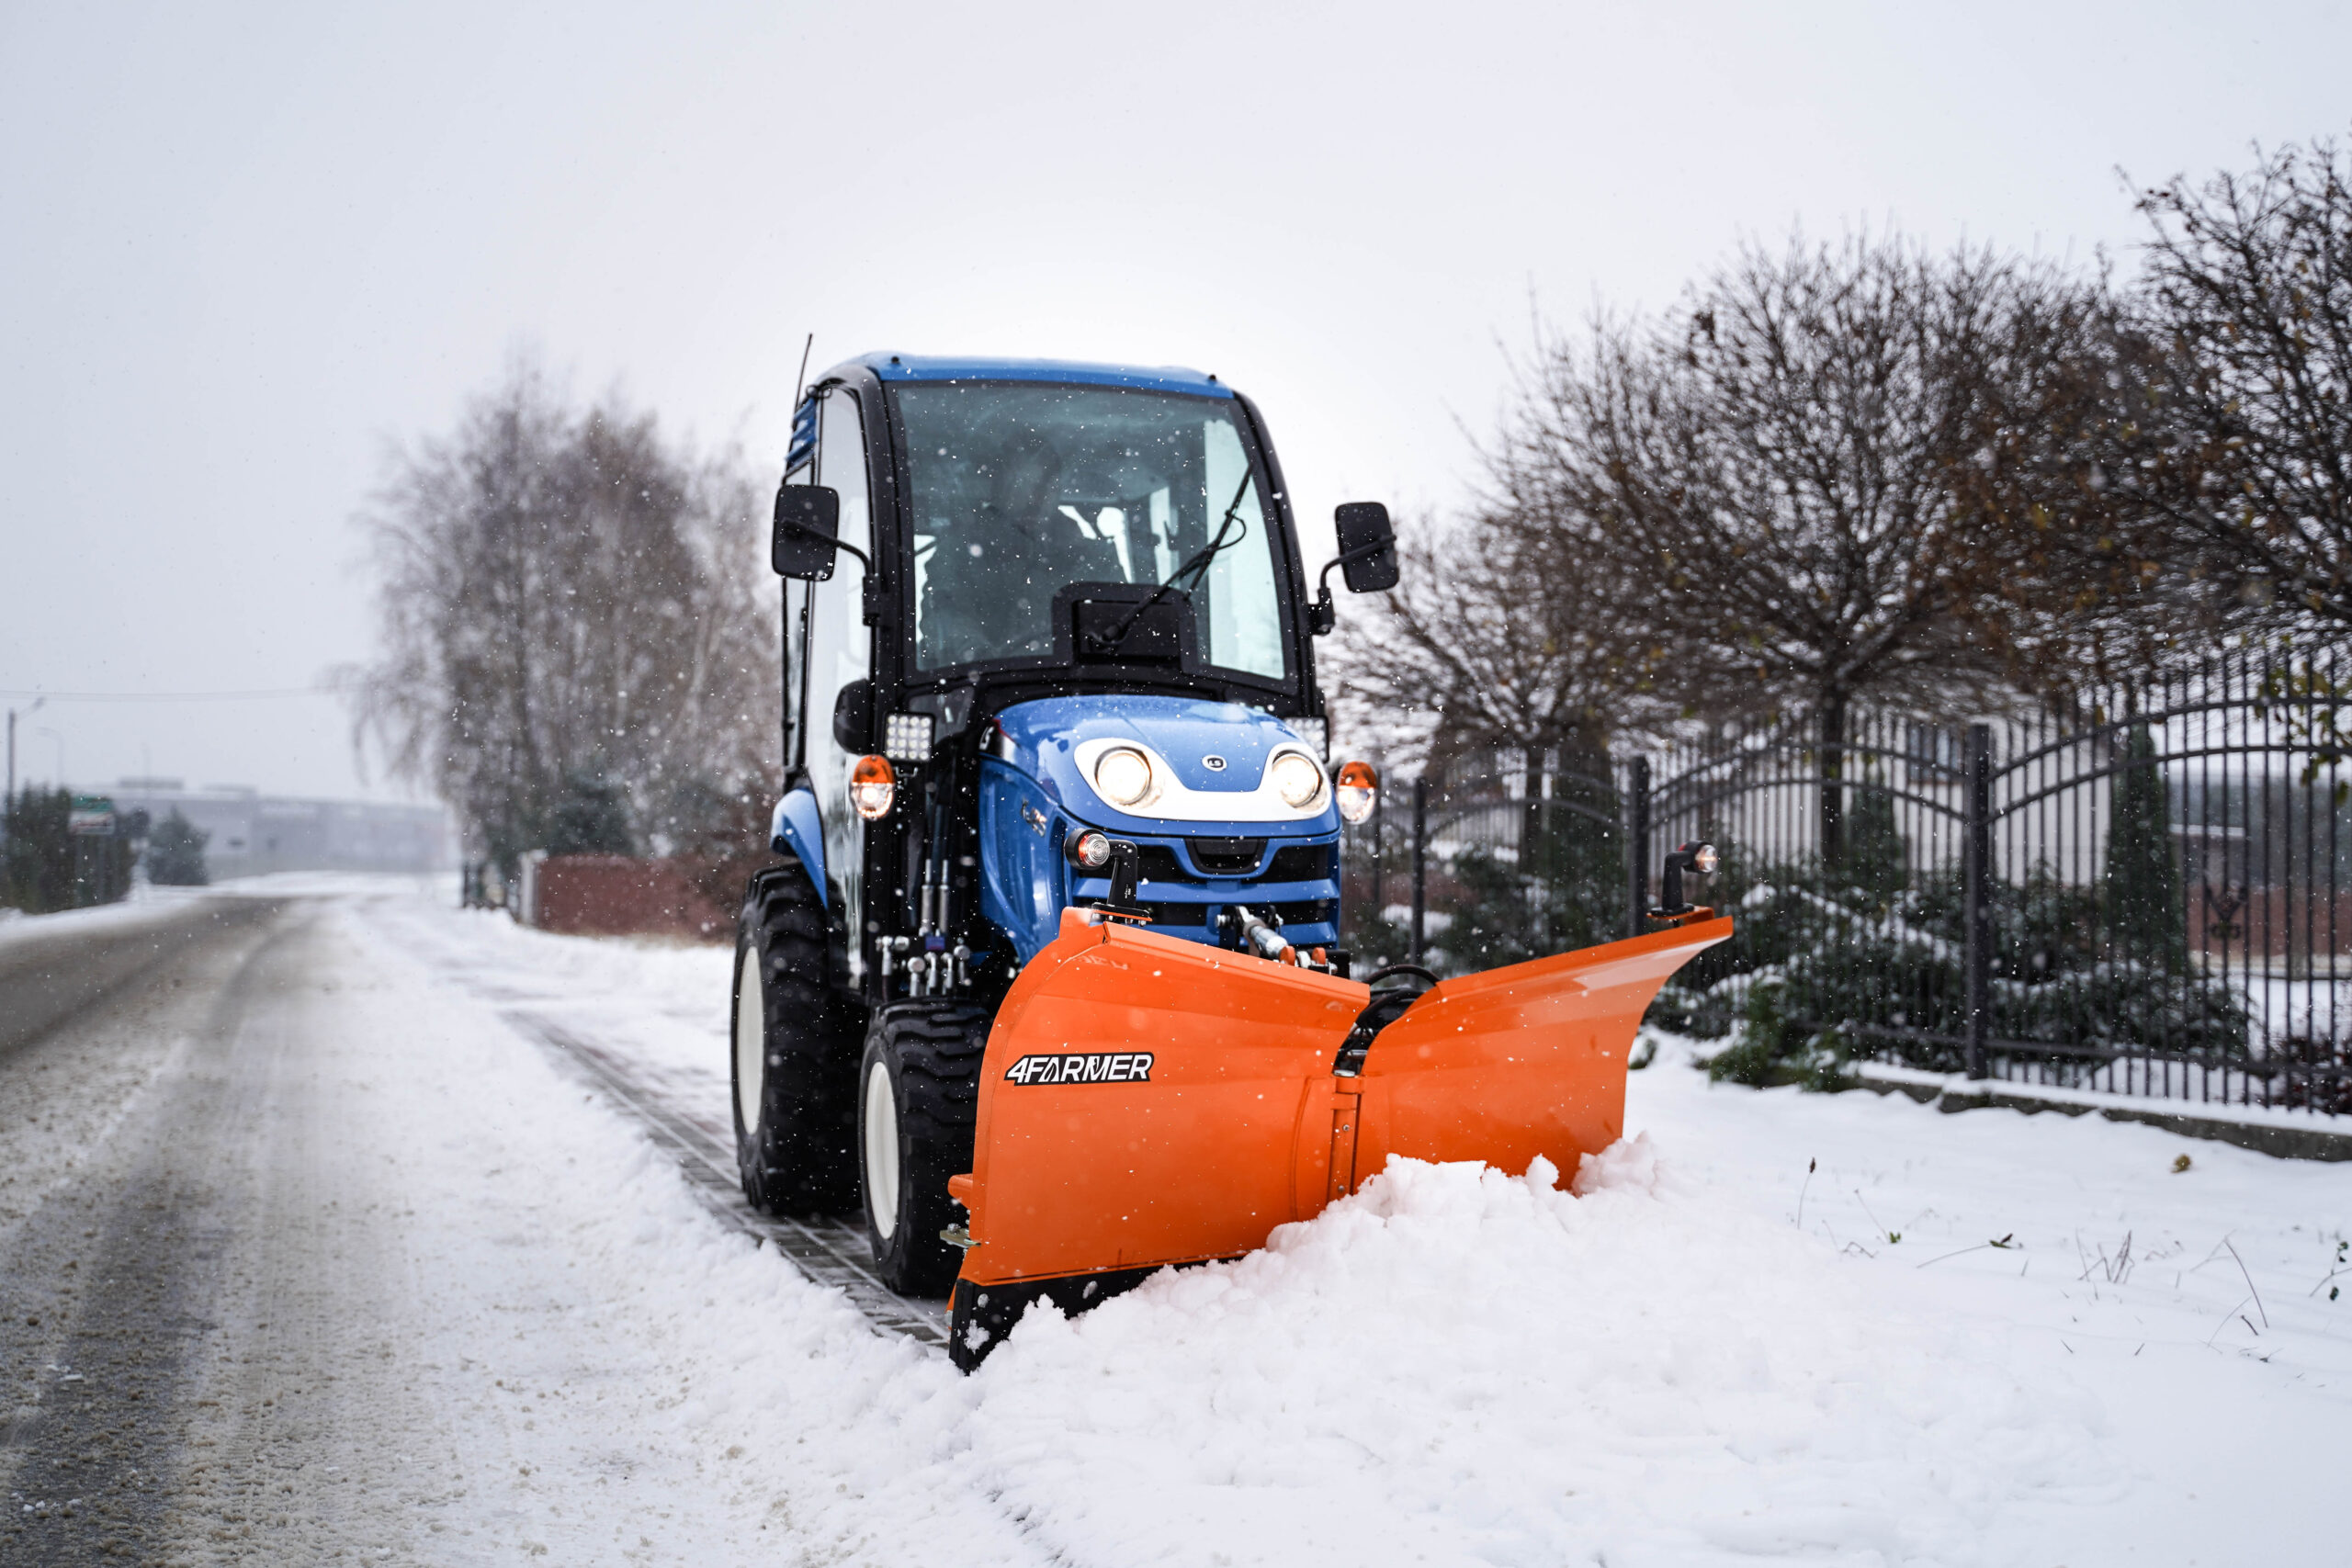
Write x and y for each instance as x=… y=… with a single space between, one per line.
x=807 y=523
x=1367 y=558
x=1367 y=546
x=854 y=716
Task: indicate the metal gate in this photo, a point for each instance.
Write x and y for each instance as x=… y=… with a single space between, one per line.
x=2148 y=891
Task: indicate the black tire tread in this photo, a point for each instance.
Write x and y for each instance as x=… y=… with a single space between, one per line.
x=799 y=1160
x=938 y=1043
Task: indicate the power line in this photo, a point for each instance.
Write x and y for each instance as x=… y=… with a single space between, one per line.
x=264 y=692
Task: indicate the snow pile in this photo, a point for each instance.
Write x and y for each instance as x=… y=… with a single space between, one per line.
x=146 y=906
x=1459 y=1366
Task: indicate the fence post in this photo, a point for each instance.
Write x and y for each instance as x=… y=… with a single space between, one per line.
x=1637 y=845
x=1420 y=863
x=1976 y=851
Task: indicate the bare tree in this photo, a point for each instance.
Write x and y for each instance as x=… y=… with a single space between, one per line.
x=2179 y=470
x=2238 y=448
x=575 y=649
x=1772 y=464
x=1493 y=642
x=2079 y=594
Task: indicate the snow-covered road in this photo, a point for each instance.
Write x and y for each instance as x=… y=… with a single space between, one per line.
x=431 y=1294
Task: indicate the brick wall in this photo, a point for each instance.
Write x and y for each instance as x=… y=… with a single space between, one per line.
x=618 y=895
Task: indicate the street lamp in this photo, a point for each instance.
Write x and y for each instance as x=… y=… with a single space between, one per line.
x=12 y=752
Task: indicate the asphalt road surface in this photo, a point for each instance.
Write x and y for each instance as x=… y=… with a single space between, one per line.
x=238 y=1321
x=119 y=1211
x=181 y=1309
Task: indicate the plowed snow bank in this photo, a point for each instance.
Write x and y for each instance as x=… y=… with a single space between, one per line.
x=1484 y=1369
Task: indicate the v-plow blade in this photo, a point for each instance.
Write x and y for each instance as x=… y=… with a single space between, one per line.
x=1146 y=1101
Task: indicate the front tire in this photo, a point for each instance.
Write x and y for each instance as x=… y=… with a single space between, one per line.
x=791 y=1064
x=917 y=1095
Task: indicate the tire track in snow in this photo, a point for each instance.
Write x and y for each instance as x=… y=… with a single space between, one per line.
x=831 y=1252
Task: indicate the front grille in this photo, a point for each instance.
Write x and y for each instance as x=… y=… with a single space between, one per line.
x=1158 y=862
x=1301 y=863
x=1187 y=880
x=1227 y=857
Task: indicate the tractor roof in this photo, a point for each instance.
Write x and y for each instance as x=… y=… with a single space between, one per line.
x=1144 y=378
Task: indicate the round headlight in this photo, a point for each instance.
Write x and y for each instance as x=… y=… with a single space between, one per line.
x=1296 y=778
x=1357 y=788
x=1124 y=775
x=873 y=784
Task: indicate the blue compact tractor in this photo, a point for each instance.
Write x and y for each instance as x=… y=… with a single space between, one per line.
x=1048 y=645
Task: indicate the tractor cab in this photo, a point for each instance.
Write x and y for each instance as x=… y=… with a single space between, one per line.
x=1025 y=600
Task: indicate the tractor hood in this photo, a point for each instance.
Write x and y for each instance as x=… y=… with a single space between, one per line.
x=1209 y=763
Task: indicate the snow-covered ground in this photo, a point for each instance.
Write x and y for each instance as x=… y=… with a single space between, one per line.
x=1773 y=1325
x=147 y=905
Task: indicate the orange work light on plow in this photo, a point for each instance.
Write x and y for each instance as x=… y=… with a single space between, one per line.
x=1146 y=1101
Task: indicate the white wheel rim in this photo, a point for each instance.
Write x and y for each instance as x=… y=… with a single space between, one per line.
x=881 y=1151
x=750 y=1041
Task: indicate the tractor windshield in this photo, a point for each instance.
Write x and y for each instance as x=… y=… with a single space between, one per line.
x=1019 y=489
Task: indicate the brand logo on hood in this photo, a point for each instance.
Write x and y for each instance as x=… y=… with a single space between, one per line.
x=1213 y=763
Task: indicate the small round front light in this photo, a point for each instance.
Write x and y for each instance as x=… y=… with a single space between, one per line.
x=1704 y=860
x=1124 y=775
x=1089 y=848
x=1296 y=778
x=873 y=785
x=1357 y=787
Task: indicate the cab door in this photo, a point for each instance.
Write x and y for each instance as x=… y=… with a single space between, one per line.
x=840 y=649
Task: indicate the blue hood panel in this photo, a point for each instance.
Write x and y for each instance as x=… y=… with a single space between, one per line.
x=1044 y=736
x=1030 y=794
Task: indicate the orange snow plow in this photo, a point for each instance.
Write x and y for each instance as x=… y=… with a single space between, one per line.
x=1146 y=1101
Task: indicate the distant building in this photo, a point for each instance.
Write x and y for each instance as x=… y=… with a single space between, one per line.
x=252 y=834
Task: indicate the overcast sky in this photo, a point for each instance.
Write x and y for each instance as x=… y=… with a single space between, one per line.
x=246 y=249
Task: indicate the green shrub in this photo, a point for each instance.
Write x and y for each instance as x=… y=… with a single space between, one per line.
x=590 y=817
x=39 y=875
x=176 y=853
x=1826 y=951
x=47 y=868
x=1774 y=1049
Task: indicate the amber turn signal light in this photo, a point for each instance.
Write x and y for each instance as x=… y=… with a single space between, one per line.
x=873 y=785
x=1359 y=787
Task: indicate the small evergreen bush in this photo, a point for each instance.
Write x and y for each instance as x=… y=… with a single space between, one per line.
x=590 y=818
x=47 y=868
x=2102 y=967
x=176 y=853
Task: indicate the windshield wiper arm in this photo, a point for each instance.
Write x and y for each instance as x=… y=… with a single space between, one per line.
x=1194 y=566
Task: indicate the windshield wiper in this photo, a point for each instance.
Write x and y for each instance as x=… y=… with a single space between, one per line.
x=1195 y=566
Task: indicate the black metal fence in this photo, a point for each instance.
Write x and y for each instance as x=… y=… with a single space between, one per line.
x=2148 y=893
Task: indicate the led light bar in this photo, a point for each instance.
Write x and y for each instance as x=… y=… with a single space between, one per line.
x=906 y=737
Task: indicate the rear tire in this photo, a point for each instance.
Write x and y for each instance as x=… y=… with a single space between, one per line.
x=791 y=1062
x=917 y=1095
